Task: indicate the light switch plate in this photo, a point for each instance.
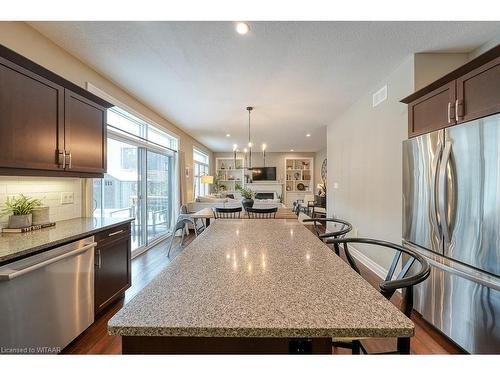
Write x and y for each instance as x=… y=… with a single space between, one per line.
x=67 y=197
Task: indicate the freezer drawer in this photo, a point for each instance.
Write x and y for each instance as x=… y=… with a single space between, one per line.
x=47 y=300
x=461 y=302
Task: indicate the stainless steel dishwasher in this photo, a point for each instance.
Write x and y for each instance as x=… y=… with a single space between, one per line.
x=47 y=300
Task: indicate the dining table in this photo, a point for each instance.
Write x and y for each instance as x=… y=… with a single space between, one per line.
x=256 y=286
x=207 y=214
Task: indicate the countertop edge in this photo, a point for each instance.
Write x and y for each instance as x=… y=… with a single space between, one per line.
x=262 y=332
x=37 y=249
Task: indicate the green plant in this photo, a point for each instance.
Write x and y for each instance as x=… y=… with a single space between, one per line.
x=21 y=206
x=237 y=186
x=247 y=193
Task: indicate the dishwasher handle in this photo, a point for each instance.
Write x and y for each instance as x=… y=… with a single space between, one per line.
x=11 y=274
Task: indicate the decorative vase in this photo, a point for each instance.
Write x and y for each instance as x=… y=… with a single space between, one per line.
x=19 y=221
x=40 y=216
x=247 y=202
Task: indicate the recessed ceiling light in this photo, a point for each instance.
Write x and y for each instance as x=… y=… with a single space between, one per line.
x=228 y=135
x=242 y=28
x=308 y=134
x=291 y=150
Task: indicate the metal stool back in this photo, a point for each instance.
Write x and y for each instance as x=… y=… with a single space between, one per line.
x=262 y=213
x=390 y=284
x=227 y=213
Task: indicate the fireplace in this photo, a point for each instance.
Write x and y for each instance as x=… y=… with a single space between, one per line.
x=264 y=195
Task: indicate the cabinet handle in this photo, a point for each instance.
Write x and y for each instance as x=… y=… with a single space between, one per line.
x=63 y=155
x=115 y=233
x=98 y=259
x=70 y=160
x=449 y=113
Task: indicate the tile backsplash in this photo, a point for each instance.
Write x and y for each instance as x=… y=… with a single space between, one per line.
x=49 y=190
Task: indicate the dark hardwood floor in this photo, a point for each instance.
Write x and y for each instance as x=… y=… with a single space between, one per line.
x=145 y=267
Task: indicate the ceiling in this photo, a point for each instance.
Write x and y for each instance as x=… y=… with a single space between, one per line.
x=298 y=75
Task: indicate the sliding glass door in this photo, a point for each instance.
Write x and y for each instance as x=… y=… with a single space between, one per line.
x=117 y=194
x=139 y=182
x=158 y=194
x=139 y=185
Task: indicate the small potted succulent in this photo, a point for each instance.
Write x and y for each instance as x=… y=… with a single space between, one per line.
x=20 y=211
x=248 y=196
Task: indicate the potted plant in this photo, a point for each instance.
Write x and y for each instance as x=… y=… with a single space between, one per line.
x=20 y=211
x=248 y=196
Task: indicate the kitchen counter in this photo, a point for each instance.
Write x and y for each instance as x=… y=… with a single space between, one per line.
x=16 y=245
x=258 y=279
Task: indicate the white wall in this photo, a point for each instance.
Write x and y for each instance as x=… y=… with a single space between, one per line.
x=364 y=159
x=48 y=190
x=432 y=66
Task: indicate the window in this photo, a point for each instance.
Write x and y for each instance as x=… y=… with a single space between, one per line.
x=200 y=168
x=129 y=157
x=140 y=178
x=128 y=124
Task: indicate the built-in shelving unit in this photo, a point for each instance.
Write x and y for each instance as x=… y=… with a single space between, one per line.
x=230 y=173
x=299 y=178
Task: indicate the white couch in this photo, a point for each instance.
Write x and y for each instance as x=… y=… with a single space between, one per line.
x=212 y=202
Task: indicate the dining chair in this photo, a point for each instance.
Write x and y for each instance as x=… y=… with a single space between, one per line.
x=262 y=213
x=183 y=220
x=227 y=213
x=344 y=227
x=390 y=284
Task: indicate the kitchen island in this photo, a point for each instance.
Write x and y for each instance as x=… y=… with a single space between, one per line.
x=256 y=286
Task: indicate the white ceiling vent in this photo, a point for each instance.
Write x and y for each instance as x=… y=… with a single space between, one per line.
x=380 y=96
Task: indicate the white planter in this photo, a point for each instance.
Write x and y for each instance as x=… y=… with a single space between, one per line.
x=41 y=216
x=20 y=221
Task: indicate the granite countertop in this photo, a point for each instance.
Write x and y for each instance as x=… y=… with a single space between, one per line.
x=15 y=245
x=259 y=278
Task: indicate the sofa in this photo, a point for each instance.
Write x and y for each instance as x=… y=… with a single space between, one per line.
x=212 y=202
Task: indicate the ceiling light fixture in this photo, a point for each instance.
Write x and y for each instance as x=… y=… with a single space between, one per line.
x=291 y=150
x=228 y=135
x=308 y=134
x=249 y=109
x=242 y=28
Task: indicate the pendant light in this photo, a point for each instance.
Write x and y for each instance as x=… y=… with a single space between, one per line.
x=264 y=153
x=249 y=109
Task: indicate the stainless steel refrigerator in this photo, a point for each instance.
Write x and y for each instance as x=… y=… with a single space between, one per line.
x=451 y=215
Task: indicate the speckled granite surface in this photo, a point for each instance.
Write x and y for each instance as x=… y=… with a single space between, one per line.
x=259 y=278
x=14 y=245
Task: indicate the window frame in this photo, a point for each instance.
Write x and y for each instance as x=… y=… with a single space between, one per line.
x=200 y=189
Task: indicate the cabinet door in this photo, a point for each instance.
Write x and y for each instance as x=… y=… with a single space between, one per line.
x=433 y=111
x=31 y=119
x=478 y=92
x=112 y=275
x=85 y=134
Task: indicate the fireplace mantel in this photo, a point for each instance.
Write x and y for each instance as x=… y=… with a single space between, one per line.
x=266 y=187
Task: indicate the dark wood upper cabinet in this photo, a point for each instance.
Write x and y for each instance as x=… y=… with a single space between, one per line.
x=31 y=119
x=48 y=125
x=478 y=92
x=84 y=134
x=469 y=92
x=433 y=111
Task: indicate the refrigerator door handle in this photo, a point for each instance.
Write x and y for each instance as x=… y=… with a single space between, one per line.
x=442 y=192
x=435 y=192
